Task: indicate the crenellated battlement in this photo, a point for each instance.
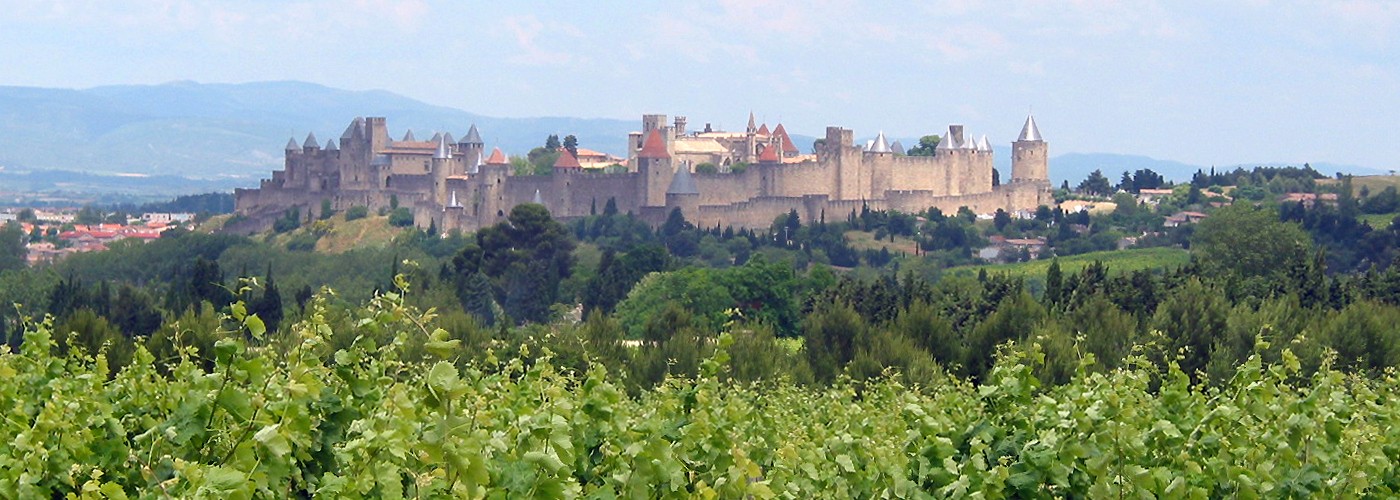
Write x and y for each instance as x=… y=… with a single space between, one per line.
x=454 y=185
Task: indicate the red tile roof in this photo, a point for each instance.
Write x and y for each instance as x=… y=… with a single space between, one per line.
x=763 y=130
x=653 y=146
x=769 y=155
x=788 y=146
x=497 y=157
x=566 y=160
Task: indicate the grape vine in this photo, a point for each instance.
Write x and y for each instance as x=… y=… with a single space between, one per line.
x=365 y=422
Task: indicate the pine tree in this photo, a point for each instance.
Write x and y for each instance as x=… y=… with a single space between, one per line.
x=474 y=292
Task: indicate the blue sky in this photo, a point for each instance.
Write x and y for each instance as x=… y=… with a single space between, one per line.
x=1212 y=83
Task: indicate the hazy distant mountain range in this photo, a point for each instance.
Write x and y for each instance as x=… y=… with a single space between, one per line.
x=234 y=130
x=233 y=134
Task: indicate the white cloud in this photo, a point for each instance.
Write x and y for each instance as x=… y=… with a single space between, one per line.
x=532 y=35
x=1036 y=68
x=697 y=41
x=1376 y=20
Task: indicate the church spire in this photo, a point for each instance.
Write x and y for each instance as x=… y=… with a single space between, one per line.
x=752 y=128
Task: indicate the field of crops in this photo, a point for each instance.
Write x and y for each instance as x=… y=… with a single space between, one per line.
x=1373 y=183
x=1378 y=221
x=361 y=422
x=1117 y=261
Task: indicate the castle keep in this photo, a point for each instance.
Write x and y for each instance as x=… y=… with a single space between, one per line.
x=758 y=174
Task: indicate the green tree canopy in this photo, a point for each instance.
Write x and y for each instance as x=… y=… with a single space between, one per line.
x=1245 y=242
x=525 y=257
x=12 y=251
x=698 y=291
x=1096 y=184
x=926 y=146
x=571 y=144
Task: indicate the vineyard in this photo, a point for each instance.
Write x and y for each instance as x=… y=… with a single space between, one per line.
x=1118 y=261
x=301 y=417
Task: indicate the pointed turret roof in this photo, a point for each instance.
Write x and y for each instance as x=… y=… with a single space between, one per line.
x=331 y=145
x=357 y=123
x=538 y=200
x=566 y=160
x=946 y=142
x=682 y=183
x=447 y=136
x=443 y=151
x=472 y=137
x=292 y=144
x=769 y=155
x=763 y=130
x=311 y=141
x=408 y=136
x=751 y=128
x=785 y=141
x=1030 y=132
x=896 y=147
x=653 y=146
x=970 y=143
x=880 y=145
x=983 y=145
x=497 y=158
x=436 y=137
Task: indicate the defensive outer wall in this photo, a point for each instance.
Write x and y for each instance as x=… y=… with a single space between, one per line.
x=454 y=184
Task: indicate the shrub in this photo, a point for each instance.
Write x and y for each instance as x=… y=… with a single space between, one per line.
x=356 y=212
x=401 y=217
x=291 y=219
x=304 y=242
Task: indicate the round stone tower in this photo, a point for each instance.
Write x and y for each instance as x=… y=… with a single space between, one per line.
x=1029 y=155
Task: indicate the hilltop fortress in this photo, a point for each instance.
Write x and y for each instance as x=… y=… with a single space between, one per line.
x=748 y=178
